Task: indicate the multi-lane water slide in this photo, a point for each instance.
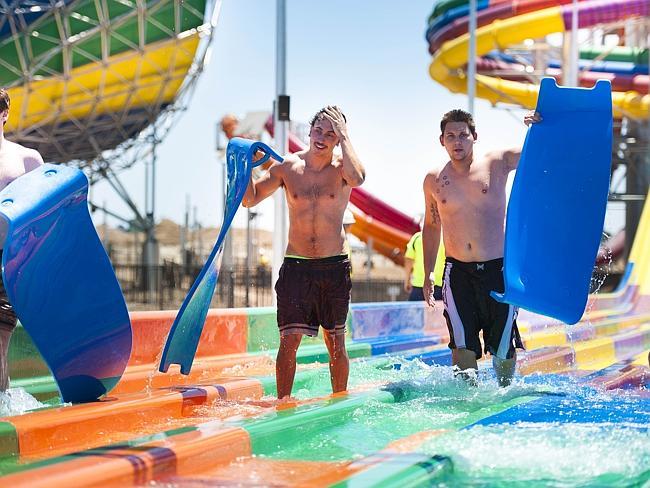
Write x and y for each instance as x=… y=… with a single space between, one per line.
x=406 y=421
x=584 y=421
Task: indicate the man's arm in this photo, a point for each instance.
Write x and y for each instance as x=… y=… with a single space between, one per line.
x=408 y=269
x=354 y=173
x=256 y=191
x=510 y=158
x=430 y=235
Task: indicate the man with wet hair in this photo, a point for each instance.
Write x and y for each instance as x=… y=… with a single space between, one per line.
x=15 y=161
x=313 y=287
x=466 y=197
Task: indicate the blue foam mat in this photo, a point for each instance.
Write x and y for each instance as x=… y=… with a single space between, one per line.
x=183 y=339
x=558 y=201
x=61 y=282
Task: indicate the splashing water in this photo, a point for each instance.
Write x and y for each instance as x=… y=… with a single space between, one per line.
x=590 y=441
x=546 y=454
x=599 y=275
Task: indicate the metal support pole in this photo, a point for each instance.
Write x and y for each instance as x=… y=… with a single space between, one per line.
x=570 y=51
x=281 y=139
x=151 y=244
x=471 y=58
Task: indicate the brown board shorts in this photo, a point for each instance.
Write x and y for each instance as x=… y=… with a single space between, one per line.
x=313 y=293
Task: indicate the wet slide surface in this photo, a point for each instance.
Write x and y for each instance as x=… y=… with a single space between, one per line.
x=575 y=415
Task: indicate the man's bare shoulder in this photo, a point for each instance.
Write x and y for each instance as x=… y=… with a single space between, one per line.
x=292 y=161
x=19 y=151
x=434 y=174
x=503 y=159
x=496 y=156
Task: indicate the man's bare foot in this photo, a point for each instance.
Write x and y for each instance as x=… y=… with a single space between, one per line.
x=287 y=399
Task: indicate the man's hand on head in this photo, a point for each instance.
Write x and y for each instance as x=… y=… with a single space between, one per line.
x=335 y=116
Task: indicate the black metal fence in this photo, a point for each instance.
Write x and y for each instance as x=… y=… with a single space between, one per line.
x=165 y=286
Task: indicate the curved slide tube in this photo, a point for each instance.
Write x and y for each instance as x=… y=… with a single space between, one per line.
x=185 y=333
x=558 y=202
x=383 y=212
x=61 y=282
x=628 y=81
x=386 y=240
x=452 y=55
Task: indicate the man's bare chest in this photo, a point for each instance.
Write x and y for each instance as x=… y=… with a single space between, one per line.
x=477 y=190
x=312 y=189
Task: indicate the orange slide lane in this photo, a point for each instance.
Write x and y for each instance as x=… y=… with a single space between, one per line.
x=222 y=350
x=225 y=332
x=183 y=454
x=193 y=454
x=73 y=428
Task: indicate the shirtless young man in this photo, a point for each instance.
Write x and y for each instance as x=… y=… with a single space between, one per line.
x=467 y=197
x=313 y=287
x=15 y=161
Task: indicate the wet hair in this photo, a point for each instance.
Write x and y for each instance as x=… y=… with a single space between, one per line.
x=458 y=115
x=320 y=115
x=5 y=101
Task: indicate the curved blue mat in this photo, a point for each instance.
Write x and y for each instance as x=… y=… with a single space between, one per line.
x=557 y=206
x=61 y=282
x=184 y=335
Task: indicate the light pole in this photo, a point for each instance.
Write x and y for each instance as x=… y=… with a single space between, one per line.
x=471 y=58
x=251 y=214
x=281 y=121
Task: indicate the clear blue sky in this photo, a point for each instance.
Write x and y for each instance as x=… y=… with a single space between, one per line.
x=369 y=57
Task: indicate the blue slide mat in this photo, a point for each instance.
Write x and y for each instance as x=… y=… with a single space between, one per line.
x=61 y=283
x=183 y=339
x=557 y=206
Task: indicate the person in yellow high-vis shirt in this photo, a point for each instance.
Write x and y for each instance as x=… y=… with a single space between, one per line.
x=414 y=269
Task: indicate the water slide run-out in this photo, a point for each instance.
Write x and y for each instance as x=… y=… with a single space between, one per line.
x=387 y=228
x=404 y=421
x=504 y=24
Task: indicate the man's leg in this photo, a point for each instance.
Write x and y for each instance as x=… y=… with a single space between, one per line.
x=465 y=359
x=5 y=336
x=285 y=365
x=504 y=369
x=339 y=362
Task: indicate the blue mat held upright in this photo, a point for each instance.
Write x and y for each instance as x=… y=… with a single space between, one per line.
x=61 y=283
x=184 y=335
x=557 y=206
